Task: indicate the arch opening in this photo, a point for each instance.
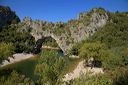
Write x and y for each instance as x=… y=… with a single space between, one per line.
x=47 y=43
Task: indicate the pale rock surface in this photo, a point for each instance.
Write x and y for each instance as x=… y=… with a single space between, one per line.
x=81 y=70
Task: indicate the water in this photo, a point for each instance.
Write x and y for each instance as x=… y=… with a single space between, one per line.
x=25 y=67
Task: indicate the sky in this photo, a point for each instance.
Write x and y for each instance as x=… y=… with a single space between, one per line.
x=61 y=10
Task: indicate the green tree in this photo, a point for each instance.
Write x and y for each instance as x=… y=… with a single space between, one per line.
x=120 y=76
x=23 y=41
x=14 y=78
x=6 y=50
x=49 y=67
x=92 y=50
x=92 y=80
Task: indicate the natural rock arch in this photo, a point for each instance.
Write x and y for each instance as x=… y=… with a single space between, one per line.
x=65 y=41
x=44 y=41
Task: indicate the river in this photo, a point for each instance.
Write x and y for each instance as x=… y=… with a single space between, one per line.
x=25 y=67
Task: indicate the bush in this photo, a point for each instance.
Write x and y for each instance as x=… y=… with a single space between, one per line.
x=49 y=67
x=92 y=80
x=6 y=50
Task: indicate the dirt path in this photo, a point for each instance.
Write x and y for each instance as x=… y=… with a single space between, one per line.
x=17 y=57
x=80 y=70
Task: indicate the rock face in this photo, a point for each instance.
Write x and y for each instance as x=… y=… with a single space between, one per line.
x=70 y=33
x=7 y=16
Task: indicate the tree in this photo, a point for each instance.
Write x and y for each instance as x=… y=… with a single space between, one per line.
x=23 y=41
x=14 y=78
x=49 y=67
x=91 y=50
x=6 y=50
x=92 y=80
x=120 y=76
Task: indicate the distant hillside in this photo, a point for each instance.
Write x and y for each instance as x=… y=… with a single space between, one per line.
x=7 y=16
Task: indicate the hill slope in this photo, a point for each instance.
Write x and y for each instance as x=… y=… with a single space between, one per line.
x=7 y=16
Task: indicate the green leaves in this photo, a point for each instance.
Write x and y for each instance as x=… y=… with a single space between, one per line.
x=92 y=80
x=7 y=16
x=93 y=50
x=6 y=50
x=114 y=37
x=23 y=42
x=49 y=67
x=14 y=78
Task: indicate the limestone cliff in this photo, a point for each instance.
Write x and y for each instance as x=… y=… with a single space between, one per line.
x=67 y=34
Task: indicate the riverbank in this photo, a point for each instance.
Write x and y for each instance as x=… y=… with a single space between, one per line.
x=81 y=70
x=16 y=58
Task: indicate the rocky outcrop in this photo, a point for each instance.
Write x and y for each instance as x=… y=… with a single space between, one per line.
x=7 y=16
x=75 y=33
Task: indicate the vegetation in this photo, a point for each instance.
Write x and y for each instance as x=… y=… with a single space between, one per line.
x=113 y=35
x=92 y=80
x=117 y=77
x=49 y=68
x=7 y=16
x=12 y=40
x=9 y=77
x=25 y=67
x=48 y=41
x=6 y=50
x=22 y=41
x=109 y=41
x=91 y=50
x=70 y=65
x=109 y=46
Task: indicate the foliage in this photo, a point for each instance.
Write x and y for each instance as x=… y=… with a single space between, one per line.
x=99 y=10
x=14 y=78
x=6 y=50
x=25 y=67
x=7 y=16
x=22 y=41
x=92 y=80
x=71 y=64
x=49 y=41
x=75 y=48
x=120 y=76
x=109 y=45
x=91 y=50
x=114 y=36
x=49 y=67
x=59 y=28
